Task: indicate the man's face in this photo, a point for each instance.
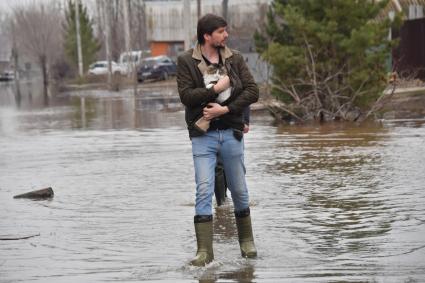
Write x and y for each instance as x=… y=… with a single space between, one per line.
x=217 y=38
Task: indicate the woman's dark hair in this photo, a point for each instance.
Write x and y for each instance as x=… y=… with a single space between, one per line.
x=208 y=24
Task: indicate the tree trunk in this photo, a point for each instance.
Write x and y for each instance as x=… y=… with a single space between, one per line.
x=17 y=238
x=186 y=22
x=141 y=20
x=131 y=68
x=100 y=15
x=43 y=65
x=107 y=11
x=126 y=12
x=16 y=75
x=116 y=42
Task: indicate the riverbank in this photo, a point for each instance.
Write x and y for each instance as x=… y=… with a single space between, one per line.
x=407 y=102
x=119 y=83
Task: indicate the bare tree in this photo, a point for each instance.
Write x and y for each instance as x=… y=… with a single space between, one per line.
x=139 y=25
x=137 y=29
x=15 y=57
x=116 y=27
x=99 y=17
x=322 y=98
x=8 y=42
x=37 y=31
x=127 y=23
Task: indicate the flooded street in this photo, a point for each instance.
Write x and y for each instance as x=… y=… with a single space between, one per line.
x=333 y=203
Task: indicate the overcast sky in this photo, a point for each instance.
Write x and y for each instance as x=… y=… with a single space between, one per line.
x=7 y=6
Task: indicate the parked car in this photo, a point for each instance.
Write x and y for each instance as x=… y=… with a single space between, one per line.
x=7 y=76
x=101 y=68
x=157 y=68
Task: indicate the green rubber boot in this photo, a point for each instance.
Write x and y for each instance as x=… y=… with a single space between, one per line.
x=246 y=240
x=204 y=238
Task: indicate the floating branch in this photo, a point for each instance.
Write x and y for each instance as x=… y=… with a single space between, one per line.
x=17 y=238
x=38 y=194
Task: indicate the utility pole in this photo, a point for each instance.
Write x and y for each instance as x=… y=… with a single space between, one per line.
x=77 y=26
x=130 y=65
x=127 y=39
x=224 y=7
x=126 y=25
x=186 y=24
x=99 y=18
x=15 y=57
x=107 y=12
x=141 y=25
x=198 y=3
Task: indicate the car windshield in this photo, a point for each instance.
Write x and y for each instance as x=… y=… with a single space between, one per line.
x=149 y=62
x=97 y=65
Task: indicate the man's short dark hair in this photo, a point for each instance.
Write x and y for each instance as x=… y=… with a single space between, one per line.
x=208 y=24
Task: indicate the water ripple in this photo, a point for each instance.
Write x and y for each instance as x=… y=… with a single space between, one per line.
x=330 y=203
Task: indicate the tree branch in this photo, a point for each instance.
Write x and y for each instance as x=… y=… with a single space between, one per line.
x=17 y=238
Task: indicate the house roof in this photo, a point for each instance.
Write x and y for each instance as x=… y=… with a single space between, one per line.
x=403 y=5
x=400 y=6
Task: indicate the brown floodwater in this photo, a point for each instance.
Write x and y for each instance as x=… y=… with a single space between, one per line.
x=330 y=203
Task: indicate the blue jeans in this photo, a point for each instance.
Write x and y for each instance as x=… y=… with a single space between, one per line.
x=206 y=149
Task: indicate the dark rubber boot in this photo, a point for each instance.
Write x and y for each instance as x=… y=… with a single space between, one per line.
x=204 y=238
x=246 y=240
x=220 y=184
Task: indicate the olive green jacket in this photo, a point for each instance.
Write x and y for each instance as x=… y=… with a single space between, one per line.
x=193 y=94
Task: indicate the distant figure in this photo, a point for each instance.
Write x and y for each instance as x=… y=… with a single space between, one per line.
x=216 y=129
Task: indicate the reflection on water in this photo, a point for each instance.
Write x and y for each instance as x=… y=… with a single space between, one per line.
x=330 y=203
x=152 y=107
x=347 y=191
x=225 y=223
x=327 y=162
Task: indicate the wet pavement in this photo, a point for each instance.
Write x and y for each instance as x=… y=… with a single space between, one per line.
x=330 y=203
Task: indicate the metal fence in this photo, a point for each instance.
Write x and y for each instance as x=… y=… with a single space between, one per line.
x=409 y=56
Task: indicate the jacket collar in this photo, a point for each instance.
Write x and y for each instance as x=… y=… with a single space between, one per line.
x=197 y=54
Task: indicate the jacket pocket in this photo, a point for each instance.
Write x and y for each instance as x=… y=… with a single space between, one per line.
x=238 y=134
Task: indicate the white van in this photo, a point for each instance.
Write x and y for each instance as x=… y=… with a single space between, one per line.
x=130 y=60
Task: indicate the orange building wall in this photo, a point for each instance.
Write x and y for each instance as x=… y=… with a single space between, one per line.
x=159 y=48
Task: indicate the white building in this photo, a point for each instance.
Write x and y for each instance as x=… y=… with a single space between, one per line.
x=168 y=25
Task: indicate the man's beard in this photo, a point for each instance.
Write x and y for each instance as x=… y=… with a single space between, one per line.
x=219 y=45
